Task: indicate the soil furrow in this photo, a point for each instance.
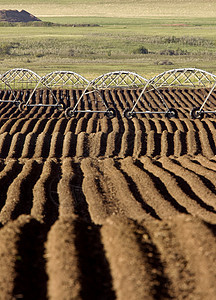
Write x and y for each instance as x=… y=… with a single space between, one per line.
x=22 y=265
x=129 y=249
x=127 y=143
x=19 y=194
x=158 y=193
x=7 y=175
x=146 y=189
x=101 y=203
x=207 y=163
x=207 y=143
x=74 y=248
x=199 y=184
x=153 y=143
x=56 y=145
x=180 y=143
x=42 y=147
x=62 y=261
x=5 y=142
x=28 y=126
x=126 y=194
x=183 y=246
x=197 y=242
x=16 y=146
x=29 y=145
x=205 y=174
x=69 y=145
x=7 y=125
x=180 y=198
x=45 y=197
x=70 y=194
x=183 y=179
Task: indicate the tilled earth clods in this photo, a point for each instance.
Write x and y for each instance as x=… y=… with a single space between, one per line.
x=98 y=208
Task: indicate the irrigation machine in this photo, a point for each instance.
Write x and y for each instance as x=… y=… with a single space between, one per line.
x=184 y=77
x=55 y=83
x=16 y=85
x=112 y=80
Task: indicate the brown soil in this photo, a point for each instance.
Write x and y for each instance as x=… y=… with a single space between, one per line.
x=93 y=208
x=17 y=16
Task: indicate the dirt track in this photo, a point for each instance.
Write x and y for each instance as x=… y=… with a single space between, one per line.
x=93 y=208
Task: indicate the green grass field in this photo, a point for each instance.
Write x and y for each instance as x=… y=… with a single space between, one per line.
x=146 y=45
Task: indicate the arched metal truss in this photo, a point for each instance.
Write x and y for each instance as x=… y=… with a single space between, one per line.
x=64 y=79
x=58 y=80
x=189 y=77
x=122 y=79
x=117 y=79
x=18 y=79
x=184 y=77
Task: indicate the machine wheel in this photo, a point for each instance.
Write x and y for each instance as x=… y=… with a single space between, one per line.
x=196 y=113
x=61 y=106
x=70 y=113
x=110 y=113
x=22 y=106
x=172 y=113
x=128 y=114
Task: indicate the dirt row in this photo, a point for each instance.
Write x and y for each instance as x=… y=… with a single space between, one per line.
x=121 y=259
x=92 y=124
x=97 y=208
x=130 y=140
x=92 y=188
x=182 y=99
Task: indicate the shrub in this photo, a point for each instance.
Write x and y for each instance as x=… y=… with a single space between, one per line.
x=164 y=62
x=5 y=48
x=173 y=52
x=141 y=50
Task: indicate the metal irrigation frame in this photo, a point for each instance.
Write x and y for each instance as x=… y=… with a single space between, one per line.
x=180 y=77
x=21 y=77
x=111 y=80
x=57 y=79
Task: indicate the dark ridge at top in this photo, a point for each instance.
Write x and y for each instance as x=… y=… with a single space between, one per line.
x=16 y=16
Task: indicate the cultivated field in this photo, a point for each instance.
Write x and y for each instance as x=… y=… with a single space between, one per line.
x=97 y=208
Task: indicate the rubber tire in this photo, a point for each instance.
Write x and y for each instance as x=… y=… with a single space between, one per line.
x=61 y=106
x=127 y=114
x=70 y=113
x=22 y=106
x=195 y=115
x=110 y=113
x=172 y=113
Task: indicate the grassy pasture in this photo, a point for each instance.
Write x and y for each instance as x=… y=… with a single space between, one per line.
x=117 y=43
x=114 y=45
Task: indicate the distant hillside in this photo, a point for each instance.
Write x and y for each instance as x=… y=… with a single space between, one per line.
x=116 y=8
x=16 y=16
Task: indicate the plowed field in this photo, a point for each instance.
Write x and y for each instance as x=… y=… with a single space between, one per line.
x=97 y=208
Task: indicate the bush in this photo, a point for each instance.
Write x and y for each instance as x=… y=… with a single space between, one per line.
x=174 y=52
x=164 y=62
x=141 y=50
x=39 y=55
x=5 y=48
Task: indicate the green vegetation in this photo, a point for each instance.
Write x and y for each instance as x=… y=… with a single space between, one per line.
x=144 y=45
